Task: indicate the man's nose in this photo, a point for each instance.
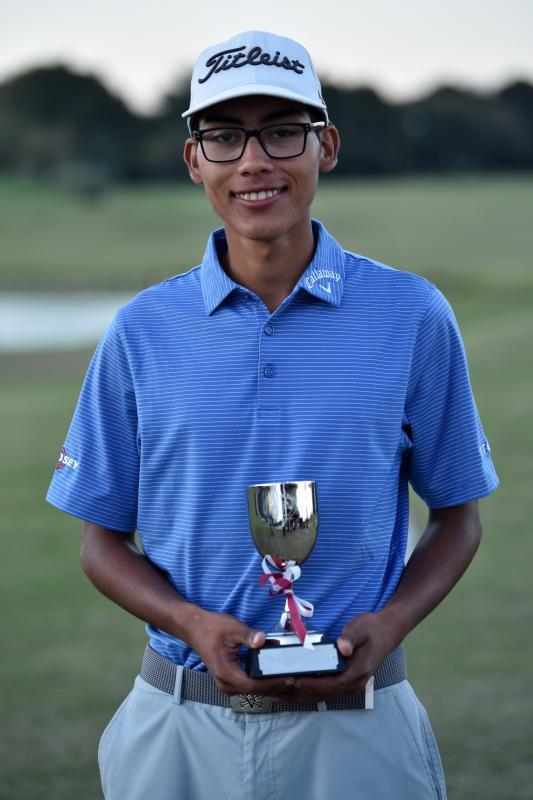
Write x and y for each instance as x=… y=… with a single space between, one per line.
x=254 y=158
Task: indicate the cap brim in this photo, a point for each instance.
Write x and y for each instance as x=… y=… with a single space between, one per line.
x=254 y=88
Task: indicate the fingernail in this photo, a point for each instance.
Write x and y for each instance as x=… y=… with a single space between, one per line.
x=346 y=648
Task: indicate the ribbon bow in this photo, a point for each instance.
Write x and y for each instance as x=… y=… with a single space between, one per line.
x=281 y=581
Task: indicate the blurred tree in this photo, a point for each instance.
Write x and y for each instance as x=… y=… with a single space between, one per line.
x=517 y=99
x=161 y=149
x=51 y=116
x=457 y=130
x=372 y=136
x=57 y=123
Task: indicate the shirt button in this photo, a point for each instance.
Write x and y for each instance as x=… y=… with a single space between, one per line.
x=269 y=371
x=269 y=329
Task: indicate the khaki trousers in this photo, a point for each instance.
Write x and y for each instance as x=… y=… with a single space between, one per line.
x=158 y=747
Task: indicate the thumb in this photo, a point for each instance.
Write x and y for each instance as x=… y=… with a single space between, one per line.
x=255 y=639
x=236 y=633
x=241 y=634
x=346 y=648
x=349 y=640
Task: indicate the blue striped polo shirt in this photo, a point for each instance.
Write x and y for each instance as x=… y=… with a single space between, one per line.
x=358 y=381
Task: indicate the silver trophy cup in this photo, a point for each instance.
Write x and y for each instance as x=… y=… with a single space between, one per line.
x=284 y=526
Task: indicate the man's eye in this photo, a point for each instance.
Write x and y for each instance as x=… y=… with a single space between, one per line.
x=282 y=133
x=221 y=137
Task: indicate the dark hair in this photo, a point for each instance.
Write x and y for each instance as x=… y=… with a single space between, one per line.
x=316 y=114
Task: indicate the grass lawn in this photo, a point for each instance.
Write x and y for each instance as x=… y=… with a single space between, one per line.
x=470 y=662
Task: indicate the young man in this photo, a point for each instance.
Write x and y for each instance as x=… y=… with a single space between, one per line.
x=282 y=357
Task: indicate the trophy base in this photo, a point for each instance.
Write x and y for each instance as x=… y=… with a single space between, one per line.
x=279 y=637
x=283 y=655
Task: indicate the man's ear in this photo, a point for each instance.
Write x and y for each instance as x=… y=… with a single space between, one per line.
x=190 y=156
x=329 y=148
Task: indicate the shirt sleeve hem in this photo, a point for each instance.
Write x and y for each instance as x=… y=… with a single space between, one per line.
x=460 y=500
x=120 y=526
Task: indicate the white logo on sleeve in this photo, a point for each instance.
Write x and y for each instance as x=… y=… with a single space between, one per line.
x=65 y=460
x=485 y=449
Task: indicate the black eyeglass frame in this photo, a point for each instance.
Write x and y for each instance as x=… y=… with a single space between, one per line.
x=250 y=133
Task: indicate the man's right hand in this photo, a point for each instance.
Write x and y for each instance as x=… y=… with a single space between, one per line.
x=217 y=639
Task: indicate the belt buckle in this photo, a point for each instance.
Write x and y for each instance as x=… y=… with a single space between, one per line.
x=251 y=704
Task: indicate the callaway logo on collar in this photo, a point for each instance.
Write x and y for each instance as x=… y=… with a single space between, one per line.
x=318 y=275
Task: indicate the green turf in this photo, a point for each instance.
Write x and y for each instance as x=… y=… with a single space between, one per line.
x=470 y=661
x=468 y=234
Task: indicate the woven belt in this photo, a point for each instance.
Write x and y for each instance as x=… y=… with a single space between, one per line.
x=200 y=687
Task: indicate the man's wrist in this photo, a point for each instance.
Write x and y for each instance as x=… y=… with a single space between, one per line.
x=186 y=619
x=397 y=621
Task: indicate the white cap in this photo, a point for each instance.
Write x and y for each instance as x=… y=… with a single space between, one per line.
x=254 y=62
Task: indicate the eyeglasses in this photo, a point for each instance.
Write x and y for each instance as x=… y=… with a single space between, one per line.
x=278 y=141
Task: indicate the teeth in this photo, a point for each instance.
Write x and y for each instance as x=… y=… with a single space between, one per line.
x=258 y=195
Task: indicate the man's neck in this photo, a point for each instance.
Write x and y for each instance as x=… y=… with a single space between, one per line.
x=270 y=269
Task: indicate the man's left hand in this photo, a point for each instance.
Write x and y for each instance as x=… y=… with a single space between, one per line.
x=364 y=642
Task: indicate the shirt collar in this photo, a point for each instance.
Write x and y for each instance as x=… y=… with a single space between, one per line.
x=323 y=277
x=216 y=284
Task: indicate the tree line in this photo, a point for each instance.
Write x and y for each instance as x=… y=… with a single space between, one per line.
x=58 y=123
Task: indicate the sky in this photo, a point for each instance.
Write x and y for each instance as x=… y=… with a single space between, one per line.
x=403 y=49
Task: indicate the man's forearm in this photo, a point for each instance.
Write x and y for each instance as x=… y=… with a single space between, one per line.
x=443 y=553
x=115 y=566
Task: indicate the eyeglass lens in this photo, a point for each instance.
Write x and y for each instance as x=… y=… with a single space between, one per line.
x=279 y=141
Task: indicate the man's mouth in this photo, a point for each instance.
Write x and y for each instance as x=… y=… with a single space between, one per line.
x=264 y=194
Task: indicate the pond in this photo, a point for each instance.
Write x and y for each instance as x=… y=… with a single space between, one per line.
x=55 y=321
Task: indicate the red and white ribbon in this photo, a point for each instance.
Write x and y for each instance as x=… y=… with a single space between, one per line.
x=281 y=581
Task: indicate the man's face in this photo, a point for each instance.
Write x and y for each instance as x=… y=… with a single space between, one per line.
x=291 y=183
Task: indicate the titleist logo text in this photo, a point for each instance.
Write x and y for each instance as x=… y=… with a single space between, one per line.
x=234 y=57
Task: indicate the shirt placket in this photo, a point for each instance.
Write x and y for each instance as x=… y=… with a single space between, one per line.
x=268 y=363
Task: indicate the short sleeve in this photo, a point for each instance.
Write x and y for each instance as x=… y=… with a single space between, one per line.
x=96 y=477
x=450 y=460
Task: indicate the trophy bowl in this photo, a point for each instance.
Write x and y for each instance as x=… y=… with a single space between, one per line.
x=284 y=519
x=284 y=526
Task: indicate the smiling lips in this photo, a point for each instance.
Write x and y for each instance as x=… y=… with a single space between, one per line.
x=264 y=194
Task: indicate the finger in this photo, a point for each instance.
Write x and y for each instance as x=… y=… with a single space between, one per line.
x=232 y=679
x=346 y=648
x=277 y=687
x=241 y=634
x=350 y=681
x=267 y=688
x=349 y=639
x=316 y=688
x=256 y=639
